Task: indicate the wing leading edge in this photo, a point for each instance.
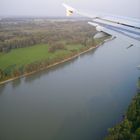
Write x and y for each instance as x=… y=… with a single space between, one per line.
x=128 y=28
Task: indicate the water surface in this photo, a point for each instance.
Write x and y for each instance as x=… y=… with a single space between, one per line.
x=77 y=100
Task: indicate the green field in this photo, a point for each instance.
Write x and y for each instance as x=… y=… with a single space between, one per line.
x=30 y=46
x=24 y=56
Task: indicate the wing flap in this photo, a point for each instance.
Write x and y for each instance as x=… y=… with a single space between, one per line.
x=128 y=31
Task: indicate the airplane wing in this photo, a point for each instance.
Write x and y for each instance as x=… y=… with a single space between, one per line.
x=121 y=27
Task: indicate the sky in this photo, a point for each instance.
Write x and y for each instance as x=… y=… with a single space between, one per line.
x=129 y=8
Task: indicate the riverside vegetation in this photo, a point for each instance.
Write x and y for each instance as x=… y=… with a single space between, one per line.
x=129 y=128
x=28 y=45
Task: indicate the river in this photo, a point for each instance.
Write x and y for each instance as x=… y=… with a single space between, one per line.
x=76 y=100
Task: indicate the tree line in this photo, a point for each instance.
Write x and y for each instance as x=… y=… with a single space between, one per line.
x=129 y=128
x=32 y=33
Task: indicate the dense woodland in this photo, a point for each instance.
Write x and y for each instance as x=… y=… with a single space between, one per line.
x=57 y=34
x=129 y=128
x=17 y=34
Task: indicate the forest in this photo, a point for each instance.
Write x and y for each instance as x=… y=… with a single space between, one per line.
x=24 y=33
x=129 y=128
x=27 y=45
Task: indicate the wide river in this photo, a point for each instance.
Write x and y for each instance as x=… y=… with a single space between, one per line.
x=77 y=100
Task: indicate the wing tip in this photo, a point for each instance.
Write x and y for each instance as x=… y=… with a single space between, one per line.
x=69 y=10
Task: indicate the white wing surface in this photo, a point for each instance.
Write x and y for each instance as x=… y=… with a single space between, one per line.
x=123 y=27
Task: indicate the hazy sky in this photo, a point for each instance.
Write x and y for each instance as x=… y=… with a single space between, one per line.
x=54 y=7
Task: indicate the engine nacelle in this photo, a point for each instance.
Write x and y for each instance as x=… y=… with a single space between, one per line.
x=100 y=35
x=99 y=28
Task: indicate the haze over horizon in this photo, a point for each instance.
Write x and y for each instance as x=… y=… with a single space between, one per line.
x=54 y=7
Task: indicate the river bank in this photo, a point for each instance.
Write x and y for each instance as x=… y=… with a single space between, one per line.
x=129 y=128
x=79 y=99
x=57 y=63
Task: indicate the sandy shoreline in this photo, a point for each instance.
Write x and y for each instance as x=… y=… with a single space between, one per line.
x=57 y=63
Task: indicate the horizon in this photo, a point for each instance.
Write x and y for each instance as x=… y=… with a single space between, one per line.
x=44 y=8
